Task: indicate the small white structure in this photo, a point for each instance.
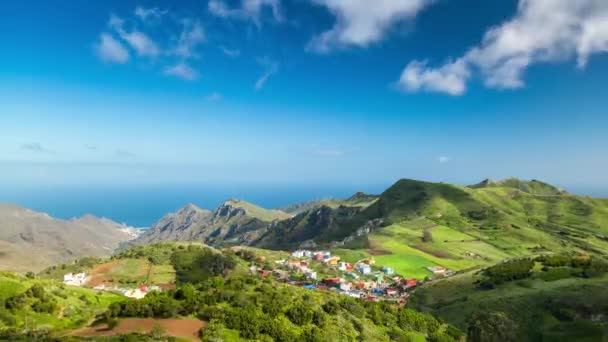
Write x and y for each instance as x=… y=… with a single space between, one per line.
x=388 y=270
x=345 y=287
x=342 y=266
x=437 y=269
x=77 y=279
x=297 y=254
x=134 y=293
x=310 y=274
x=364 y=268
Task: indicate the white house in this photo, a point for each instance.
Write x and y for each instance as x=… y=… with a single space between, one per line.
x=134 y=293
x=345 y=286
x=364 y=268
x=297 y=254
x=310 y=274
x=77 y=279
x=437 y=269
x=388 y=270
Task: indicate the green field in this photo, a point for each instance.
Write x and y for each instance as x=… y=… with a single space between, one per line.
x=550 y=305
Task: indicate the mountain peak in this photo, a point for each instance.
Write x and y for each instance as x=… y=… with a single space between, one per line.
x=534 y=187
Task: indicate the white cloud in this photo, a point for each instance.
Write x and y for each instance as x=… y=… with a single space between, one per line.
x=450 y=78
x=214 y=97
x=362 y=22
x=541 y=31
x=149 y=13
x=270 y=68
x=191 y=36
x=443 y=159
x=111 y=50
x=249 y=9
x=183 y=71
x=143 y=45
x=230 y=52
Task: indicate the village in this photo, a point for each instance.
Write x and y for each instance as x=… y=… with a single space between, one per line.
x=320 y=270
x=313 y=270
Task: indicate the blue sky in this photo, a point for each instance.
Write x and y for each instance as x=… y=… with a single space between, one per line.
x=303 y=92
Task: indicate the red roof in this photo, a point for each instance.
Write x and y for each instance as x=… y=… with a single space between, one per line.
x=410 y=282
x=332 y=280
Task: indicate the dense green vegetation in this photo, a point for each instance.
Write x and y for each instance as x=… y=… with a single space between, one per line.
x=552 y=297
x=33 y=304
x=214 y=286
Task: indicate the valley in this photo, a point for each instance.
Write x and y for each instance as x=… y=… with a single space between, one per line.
x=438 y=248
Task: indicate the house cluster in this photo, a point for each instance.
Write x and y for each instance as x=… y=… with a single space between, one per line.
x=320 y=270
x=359 y=280
x=393 y=289
x=137 y=293
x=75 y=279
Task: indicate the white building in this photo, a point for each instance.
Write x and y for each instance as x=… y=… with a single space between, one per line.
x=77 y=279
x=345 y=286
x=364 y=268
x=310 y=274
x=134 y=293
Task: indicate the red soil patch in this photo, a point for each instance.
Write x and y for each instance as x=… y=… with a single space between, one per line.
x=182 y=328
x=99 y=275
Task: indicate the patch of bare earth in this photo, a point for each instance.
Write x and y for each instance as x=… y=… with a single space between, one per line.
x=99 y=275
x=432 y=251
x=182 y=328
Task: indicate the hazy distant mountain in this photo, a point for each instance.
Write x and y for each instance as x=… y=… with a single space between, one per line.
x=234 y=221
x=31 y=240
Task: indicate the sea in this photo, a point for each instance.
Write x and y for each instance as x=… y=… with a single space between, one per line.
x=142 y=206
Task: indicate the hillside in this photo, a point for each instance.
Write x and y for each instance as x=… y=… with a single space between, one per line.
x=558 y=298
x=216 y=296
x=31 y=241
x=359 y=199
x=464 y=226
x=412 y=225
x=233 y=222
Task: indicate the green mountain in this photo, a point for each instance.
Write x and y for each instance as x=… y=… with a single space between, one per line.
x=412 y=225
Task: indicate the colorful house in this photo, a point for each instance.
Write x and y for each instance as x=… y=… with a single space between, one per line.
x=364 y=268
x=391 y=292
x=409 y=283
x=388 y=270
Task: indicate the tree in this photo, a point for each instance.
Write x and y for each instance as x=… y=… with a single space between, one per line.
x=427 y=236
x=492 y=327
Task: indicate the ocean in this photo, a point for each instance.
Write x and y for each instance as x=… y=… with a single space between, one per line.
x=142 y=206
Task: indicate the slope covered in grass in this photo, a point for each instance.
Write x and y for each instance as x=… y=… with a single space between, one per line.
x=559 y=303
